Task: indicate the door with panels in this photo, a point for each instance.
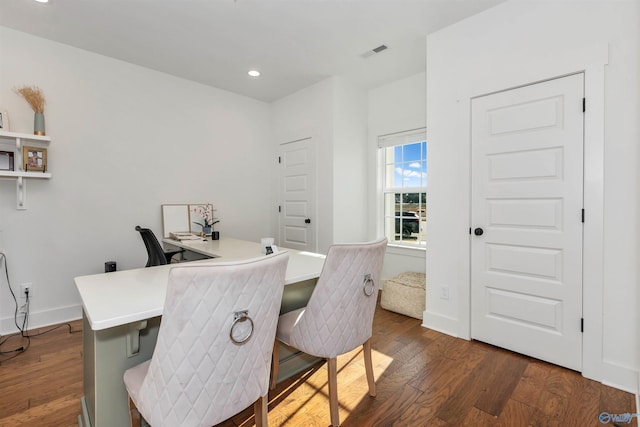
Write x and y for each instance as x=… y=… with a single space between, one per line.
x=298 y=195
x=526 y=221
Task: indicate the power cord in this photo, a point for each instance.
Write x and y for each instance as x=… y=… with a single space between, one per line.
x=25 y=321
x=21 y=349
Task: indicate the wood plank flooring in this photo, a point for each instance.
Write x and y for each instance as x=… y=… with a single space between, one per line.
x=423 y=378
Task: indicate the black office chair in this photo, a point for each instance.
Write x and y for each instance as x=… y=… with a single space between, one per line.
x=157 y=255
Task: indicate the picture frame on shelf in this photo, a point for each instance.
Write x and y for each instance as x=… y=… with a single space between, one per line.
x=4 y=120
x=34 y=159
x=6 y=161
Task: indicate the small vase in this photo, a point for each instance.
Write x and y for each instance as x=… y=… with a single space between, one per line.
x=38 y=124
x=206 y=231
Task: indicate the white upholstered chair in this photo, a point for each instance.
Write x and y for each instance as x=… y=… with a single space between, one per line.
x=213 y=354
x=339 y=315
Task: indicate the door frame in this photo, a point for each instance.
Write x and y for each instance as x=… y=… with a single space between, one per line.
x=480 y=217
x=315 y=220
x=592 y=63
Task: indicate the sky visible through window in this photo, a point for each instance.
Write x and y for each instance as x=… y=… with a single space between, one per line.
x=411 y=165
x=404 y=190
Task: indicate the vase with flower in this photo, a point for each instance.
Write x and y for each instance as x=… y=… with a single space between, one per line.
x=206 y=213
x=34 y=97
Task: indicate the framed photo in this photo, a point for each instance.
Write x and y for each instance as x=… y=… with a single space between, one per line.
x=34 y=158
x=6 y=161
x=4 y=120
x=175 y=219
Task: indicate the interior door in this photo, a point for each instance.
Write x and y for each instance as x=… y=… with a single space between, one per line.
x=298 y=195
x=527 y=192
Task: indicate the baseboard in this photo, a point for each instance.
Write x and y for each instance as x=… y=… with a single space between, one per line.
x=620 y=377
x=438 y=322
x=43 y=318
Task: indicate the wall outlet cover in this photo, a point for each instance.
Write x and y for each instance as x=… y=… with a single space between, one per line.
x=23 y=290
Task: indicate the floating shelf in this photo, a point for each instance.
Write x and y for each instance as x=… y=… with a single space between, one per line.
x=20 y=174
x=16 y=139
x=27 y=136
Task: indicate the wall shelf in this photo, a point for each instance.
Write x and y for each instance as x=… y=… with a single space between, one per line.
x=16 y=139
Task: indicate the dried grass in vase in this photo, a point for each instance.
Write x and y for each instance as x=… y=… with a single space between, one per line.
x=33 y=95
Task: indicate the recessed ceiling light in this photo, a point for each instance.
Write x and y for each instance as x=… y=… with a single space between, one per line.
x=42 y=1
x=254 y=73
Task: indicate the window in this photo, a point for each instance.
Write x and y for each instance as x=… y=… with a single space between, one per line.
x=404 y=187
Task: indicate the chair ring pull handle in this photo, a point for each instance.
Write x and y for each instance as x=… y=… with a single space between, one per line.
x=368 y=286
x=241 y=316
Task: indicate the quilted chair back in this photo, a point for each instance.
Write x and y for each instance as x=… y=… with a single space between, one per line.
x=198 y=376
x=339 y=315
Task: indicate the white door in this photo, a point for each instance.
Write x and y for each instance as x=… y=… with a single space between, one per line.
x=526 y=250
x=298 y=195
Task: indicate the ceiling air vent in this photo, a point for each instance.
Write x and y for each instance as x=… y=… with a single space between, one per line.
x=374 y=51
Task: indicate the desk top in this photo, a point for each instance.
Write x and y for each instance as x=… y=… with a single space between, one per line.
x=121 y=297
x=227 y=247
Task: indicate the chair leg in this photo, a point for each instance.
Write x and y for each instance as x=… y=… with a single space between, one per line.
x=260 y=408
x=368 y=366
x=275 y=364
x=134 y=415
x=333 y=391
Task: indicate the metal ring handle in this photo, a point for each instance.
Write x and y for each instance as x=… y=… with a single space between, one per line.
x=368 y=285
x=241 y=316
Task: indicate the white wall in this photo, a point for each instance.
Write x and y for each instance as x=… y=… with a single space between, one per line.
x=332 y=113
x=516 y=43
x=124 y=140
x=392 y=108
x=349 y=163
x=308 y=114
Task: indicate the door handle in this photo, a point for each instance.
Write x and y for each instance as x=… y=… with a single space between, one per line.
x=307 y=221
x=478 y=231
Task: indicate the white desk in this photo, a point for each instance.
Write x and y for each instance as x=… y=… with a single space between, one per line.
x=122 y=313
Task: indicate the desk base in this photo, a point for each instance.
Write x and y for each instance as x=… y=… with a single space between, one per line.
x=105 y=359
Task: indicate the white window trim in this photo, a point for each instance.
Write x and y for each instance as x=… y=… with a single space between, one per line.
x=390 y=140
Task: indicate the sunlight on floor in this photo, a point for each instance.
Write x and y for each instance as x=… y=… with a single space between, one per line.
x=292 y=404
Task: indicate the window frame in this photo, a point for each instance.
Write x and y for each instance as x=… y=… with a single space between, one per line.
x=394 y=140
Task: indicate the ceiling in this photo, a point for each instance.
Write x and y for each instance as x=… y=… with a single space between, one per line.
x=293 y=43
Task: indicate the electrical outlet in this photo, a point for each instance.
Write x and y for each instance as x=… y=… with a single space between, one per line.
x=24 y=289
x=23 y=309
x=444 y=292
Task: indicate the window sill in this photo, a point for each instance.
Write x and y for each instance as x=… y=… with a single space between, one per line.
x=415 y=251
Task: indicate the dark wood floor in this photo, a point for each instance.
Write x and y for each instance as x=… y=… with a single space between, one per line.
x=424 y=378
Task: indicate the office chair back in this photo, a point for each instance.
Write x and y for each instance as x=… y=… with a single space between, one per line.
x=154 y=250
x=209 y=363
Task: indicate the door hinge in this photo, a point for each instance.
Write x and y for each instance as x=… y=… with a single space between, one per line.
x=583 y=216
x=279 y=159
x=279 y=209
x=582 y=324
x=584 y=104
